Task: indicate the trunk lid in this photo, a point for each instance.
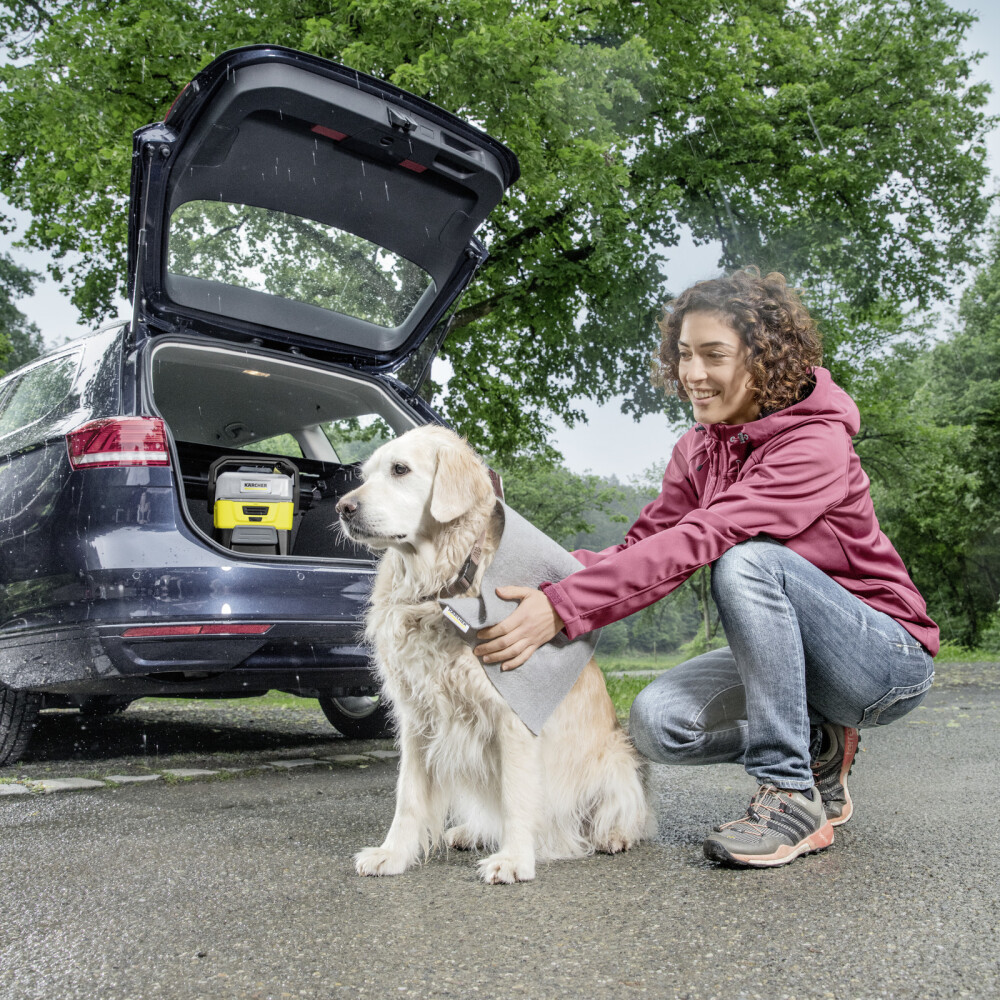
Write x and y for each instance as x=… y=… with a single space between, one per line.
x=287 y=199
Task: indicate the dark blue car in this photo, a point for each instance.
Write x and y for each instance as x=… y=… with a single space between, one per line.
x=299 y=236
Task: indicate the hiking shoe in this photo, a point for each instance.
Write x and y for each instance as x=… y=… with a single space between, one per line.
x=830 y=770
x=780 y=824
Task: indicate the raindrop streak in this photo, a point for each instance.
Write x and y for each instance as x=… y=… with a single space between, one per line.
x=386 y=190
x=822 y=145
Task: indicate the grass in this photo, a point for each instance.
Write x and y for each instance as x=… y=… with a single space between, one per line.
x=273 y=699
x=953 y=653
x=623 y=691
x=637 y=661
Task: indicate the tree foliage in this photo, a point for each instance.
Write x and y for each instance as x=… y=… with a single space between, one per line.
x=20 y=339
x=930 y=447
x=837 y=140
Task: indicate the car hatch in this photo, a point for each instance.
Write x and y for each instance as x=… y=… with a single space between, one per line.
x=288 y=198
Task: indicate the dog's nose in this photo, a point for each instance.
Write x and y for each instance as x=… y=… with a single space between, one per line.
x=346 y=509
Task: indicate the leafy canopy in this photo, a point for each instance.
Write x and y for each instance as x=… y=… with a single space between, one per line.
x=836 y=140
x=20 y=339
x=930 y=447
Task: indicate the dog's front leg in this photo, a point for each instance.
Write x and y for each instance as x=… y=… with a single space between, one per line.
x=520 y=802
x=418 y=820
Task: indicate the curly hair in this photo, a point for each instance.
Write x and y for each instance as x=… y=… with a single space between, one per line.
x=769 y=318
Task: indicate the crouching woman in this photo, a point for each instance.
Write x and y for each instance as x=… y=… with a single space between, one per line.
x=826 y=631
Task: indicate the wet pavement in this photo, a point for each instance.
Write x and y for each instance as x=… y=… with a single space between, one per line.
x=241 y=886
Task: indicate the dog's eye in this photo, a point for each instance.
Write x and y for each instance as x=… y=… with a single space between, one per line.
x=399 y=469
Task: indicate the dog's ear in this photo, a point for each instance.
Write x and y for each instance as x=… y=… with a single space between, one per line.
x=460 y=483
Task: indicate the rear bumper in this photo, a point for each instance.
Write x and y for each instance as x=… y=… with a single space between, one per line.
x=303 y=656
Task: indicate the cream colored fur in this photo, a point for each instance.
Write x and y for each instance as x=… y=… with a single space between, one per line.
x=465 y=758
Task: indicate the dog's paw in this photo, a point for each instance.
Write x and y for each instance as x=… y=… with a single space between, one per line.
x=379 y=861
x=462 y=838
x=615 y=844
x=507 y=868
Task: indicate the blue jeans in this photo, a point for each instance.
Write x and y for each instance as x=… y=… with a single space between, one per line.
x=802 y=650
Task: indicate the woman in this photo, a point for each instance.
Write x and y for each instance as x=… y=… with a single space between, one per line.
x=826 y=631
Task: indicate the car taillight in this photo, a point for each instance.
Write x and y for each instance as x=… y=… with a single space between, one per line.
x=117 y=442
x=159 y=631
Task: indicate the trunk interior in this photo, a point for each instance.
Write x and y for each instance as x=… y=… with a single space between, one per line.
x=262 y=411
x=321 y=484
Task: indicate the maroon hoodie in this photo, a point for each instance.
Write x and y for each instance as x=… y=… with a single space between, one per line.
x=792 y=475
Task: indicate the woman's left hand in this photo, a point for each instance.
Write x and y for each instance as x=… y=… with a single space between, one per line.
x=511 y=641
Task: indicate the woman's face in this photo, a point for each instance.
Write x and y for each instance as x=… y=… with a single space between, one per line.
x=712 y=369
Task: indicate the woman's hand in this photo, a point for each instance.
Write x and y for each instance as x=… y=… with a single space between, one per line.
x=531 y=625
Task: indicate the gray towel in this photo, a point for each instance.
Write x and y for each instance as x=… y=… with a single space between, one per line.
x=525 y=557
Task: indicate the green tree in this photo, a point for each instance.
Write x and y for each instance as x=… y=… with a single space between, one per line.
x=839 y=140
x=930 y=448
x=561 y=503
x=20 y=339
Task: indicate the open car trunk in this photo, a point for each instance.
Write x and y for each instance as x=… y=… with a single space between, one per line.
x=226 y=403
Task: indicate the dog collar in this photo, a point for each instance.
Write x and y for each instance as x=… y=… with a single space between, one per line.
x=467 y=573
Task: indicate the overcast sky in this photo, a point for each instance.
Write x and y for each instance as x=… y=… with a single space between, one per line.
x=611 y=442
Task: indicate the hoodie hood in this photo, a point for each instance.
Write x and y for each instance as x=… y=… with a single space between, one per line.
x=825 y=402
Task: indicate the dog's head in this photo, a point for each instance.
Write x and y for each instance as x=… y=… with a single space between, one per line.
x=412 y=486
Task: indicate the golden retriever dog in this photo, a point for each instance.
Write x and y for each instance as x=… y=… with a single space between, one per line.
x=471 y=774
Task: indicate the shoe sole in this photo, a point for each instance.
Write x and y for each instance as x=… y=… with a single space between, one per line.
x=815 y=842
x=847 y=762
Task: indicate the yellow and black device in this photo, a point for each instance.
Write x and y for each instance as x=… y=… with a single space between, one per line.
x=254 y=504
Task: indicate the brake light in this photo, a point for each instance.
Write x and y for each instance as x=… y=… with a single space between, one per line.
x=118 y=442
x=158 y=631
x=330 y=133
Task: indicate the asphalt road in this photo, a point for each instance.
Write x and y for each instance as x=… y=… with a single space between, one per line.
x=244 y=888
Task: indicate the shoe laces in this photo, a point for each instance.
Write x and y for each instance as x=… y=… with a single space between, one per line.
x=758 y=812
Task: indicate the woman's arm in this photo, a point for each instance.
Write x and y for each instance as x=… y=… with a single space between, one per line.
x=803 y=476
x=535 y=621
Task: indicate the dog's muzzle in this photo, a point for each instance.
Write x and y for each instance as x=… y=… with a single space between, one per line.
x=346 y=509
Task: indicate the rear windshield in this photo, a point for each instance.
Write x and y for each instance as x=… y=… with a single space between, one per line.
x=293 y=258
